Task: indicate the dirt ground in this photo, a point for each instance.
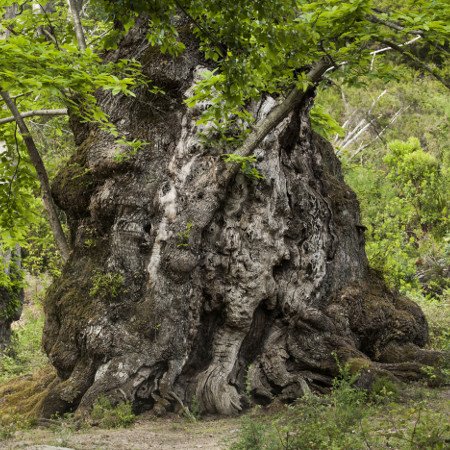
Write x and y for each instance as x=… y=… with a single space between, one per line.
x=161 y=434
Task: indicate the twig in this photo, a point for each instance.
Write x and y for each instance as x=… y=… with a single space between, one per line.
x=394 y=118
x=36 y=112
x=184 y=408
x=50 y=34
x=385 y=49
x=415 y=427
x=392 y=25
x=361 y=126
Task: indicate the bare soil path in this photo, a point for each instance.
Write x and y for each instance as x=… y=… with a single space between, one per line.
x=161 y=434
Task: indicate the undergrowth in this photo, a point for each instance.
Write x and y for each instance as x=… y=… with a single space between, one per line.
x=350 y=418
x=25 y=355
x=106 y=415
x=437 y=313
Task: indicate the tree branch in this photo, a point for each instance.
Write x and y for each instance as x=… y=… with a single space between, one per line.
x=36 y=112
x=79 y=32
x=379 y=134
x=397 y=27
x=294 y=98
x=392 y=25
x=38 y=164
x=386 y=49
x=417 y=62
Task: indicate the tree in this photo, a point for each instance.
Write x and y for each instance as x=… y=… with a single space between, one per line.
x=217 y=254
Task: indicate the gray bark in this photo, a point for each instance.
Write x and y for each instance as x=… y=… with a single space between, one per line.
x=188 y=284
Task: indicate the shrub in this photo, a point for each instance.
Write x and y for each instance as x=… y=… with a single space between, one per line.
x=107 y=415
x=384 y=390
x=332 y=422
x=25 y=354
x=404 y=205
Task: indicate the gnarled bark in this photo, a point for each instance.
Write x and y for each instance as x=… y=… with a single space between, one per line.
x=186 y=283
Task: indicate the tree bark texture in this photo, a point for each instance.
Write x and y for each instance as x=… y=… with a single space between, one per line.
x=188 y=285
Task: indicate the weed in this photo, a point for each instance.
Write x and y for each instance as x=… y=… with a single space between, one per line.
x=109 y=284
x=127 y=149
x=183 y=236
x=63 y=428
x=195 y=409
x=105 y=415
x=25 y=354
x=7 y=431
x=253 y=436
x=348 y=418
x=10 y=423
x=384 y=390
x=88 y=243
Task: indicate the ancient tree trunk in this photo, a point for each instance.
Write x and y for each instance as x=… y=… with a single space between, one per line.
x=187 y=284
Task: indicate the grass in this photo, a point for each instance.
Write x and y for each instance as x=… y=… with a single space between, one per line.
x=26 y=355
x=106 y=415
x=418 y=418
x=437 y=313
x=20 y=398
x=391 y=416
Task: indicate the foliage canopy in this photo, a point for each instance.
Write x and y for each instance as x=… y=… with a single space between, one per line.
x=251 y=49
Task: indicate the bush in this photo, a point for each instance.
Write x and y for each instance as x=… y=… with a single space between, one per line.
x=348 y=418
x=404 y=205
x=333 y=422
x=105 y=415
x=384 y=390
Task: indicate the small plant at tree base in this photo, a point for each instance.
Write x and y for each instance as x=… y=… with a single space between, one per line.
x=384 y=390
x=63 y=426
x=88 y=243
x=195 y=408
x=9 y=424
x=246 y=163
x=109 y=284
x=253 y=435
x=105 y=415
x=7 y=431
x=437 y=375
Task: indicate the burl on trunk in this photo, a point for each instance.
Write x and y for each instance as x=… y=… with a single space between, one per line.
x=186 y=284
